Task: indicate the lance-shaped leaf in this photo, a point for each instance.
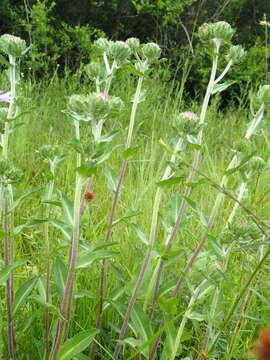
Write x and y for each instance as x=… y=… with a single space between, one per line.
x=22 y=294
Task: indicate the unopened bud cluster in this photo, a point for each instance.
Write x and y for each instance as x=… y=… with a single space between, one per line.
x=12 y=45
x=187 y=123
x=94 y=106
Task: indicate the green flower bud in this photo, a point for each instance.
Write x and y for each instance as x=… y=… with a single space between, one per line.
x=263 y=95
x=187 y=124
x=133 y=44
x=243 y=146
x=236 y=54
x=93 y=107
x=78 y=107
x=95 y=70
x=9 y=174
x=12 y=45
x=119 y=50
x=48 y=152
x=151 y=51
x=220 y=30
x=102 y=44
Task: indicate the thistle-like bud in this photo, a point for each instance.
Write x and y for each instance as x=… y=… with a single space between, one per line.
x=48 y=152
x=12 y=45
x=9 y=174
x=95 y=106
x=120 y=51
x=263 y=95
x=220 y=30
x=102 y=44
x=151 y=51
x=133 y=44
x=236 y=54
x=142 y=66
x=95 y=70
x=187 y=124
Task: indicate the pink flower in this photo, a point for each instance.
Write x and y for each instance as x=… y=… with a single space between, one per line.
x=218 y=266
x=5 y=97
x=103 y=95
x=189 y=115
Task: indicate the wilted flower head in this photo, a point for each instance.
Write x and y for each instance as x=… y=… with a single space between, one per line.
x=220 y=30
x=261 y=348
x=5 y=97
x=236 y=54
x=151 y=51
x=12 y=45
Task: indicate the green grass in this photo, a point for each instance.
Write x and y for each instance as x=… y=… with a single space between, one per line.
x=47 y=124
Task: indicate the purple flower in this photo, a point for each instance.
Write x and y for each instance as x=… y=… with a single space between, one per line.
x=103 y=95
x=5 y=97
x=189 y=115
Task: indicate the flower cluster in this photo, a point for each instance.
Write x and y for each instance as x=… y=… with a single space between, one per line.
x=9 y=174
x=220 y=30
x=12 y=45
x=94 y=106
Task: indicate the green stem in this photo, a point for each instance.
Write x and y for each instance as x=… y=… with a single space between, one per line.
x=62 y=325
x=103 y=270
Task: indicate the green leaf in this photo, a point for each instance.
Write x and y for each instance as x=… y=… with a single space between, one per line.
x=86 y=258
x=87 y=169
x=66 y=230
x=141 y=235
x=6 y=270
x=24 y=196
x=238 y=167
x=221 y=87
x=192 y=315
x=22 y=294
x=195 y=208
x=76 y=145
x=111 y=178
x=60 y=275
x=171 y=181
x=174 y=206
x=194 y=141
x=129 y=152
x=67 y=210
x=29 y=225
x=108 y=137
x=76 y=344
x=3 y=61
x=129 y=215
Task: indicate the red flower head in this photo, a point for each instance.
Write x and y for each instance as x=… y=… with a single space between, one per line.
x=261 y=347
x=89 y=196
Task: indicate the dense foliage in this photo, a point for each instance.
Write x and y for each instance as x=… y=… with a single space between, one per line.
x=59 y=31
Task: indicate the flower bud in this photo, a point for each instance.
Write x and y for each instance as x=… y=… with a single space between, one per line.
x=102 y=44
x=115 y=106
x=120 y=51
x=187 y=124
x=151 y=51
x=95 y=70
x=236 y=54
x=9 y=174
x=78 y=107
x=133 y=44
x=48 y=152
x=12 y=45
x=263 y=95
x=255 y=164
x=220 y=30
